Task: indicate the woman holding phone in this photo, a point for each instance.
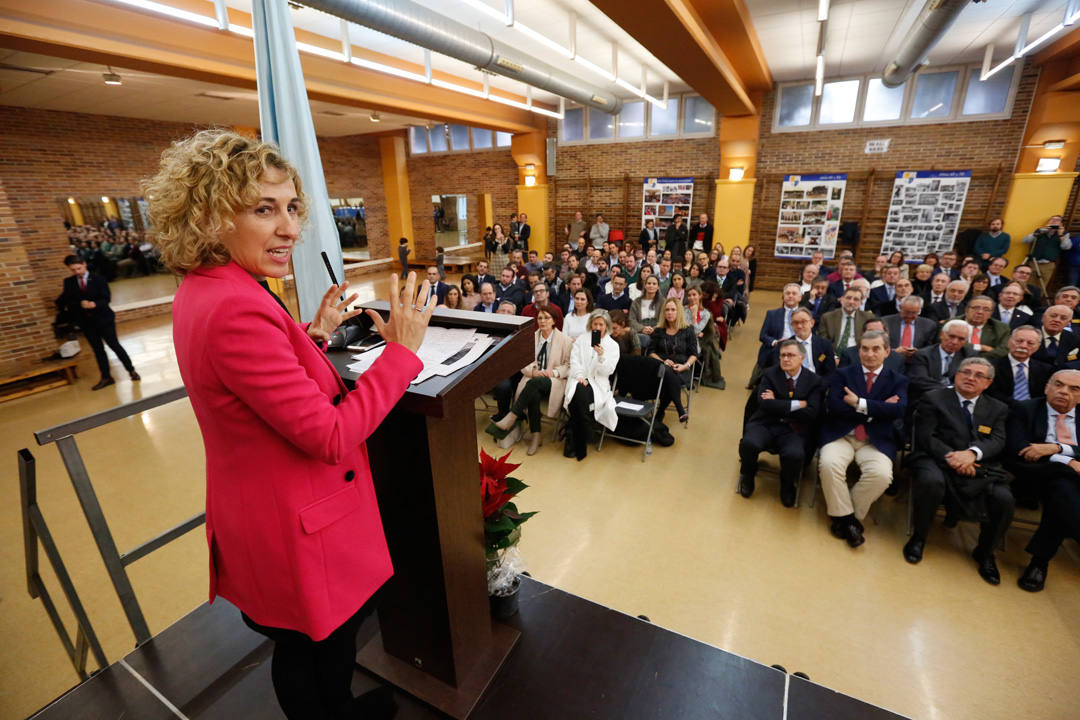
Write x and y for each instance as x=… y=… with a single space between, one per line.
x=292 y=525
x=588 y=388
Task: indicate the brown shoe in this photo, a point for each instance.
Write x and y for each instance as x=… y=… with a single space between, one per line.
x=134 y=376
x=103 y=382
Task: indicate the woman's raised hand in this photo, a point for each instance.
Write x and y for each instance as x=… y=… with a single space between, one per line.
x=408 y=320
x=331 y=313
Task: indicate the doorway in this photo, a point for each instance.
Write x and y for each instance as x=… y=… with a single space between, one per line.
x=450 y=216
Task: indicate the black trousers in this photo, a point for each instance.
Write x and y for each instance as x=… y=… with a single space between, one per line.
x=928 y=492
x=528 y=402
x=1060 y=518
x=504 y=393
x=581 y=419
x=99 y=337
x=312 y=678
x=774 y=437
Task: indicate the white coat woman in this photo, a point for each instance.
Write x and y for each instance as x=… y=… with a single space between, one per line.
x=588 y=390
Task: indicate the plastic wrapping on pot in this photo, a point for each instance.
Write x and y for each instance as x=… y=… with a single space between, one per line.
x=504 y=570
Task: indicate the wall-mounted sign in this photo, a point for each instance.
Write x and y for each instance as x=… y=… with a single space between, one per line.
x=664 y=198
x=810 y=208
x=876 y=147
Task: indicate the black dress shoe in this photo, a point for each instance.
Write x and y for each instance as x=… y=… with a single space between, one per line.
x=134 y=376
x=1034 y=577
x=746 y=485
x=838 y=528
x=988 y=569
x=950 y=520
x=913 y=550
x=787 y=495
x=377 y=704
x=103 y=383
x=854 y=536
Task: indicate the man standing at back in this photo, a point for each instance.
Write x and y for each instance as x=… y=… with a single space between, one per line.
x=701 y=235
x=992 y=243
x=86 y=300
x=598 y=234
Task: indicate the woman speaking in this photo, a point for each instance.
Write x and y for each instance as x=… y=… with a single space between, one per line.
x=292 y=522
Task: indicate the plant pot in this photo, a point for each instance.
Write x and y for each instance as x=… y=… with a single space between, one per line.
x=504 y=607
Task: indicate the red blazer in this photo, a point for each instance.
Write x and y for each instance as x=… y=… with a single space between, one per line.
x=291 y=517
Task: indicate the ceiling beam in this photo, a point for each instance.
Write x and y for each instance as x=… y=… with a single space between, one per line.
x=1066 y=46
x=129 y=38
x=696 y=55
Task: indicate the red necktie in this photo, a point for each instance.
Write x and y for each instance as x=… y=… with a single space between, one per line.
x=82 y=283
x=974 y=335
x=905 y=338
x=860 y=429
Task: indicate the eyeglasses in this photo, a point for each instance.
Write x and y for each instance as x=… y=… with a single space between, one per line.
x=973 y=374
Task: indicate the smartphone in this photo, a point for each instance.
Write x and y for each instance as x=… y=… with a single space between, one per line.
x=595 y=338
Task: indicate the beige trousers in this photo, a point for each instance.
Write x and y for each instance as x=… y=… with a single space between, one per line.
x=833 y=463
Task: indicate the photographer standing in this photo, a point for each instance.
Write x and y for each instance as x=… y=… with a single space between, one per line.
x=1047 y=243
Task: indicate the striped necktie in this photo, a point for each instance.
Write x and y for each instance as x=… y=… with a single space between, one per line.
x=1020 y=383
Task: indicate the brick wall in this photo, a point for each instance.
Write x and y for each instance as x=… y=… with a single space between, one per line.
x=353 y=168
x=607 y=178
x=25 y=329
x=989 y=148
x=490 y=171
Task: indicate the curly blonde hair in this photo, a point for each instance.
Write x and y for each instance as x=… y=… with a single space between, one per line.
x=202 y=183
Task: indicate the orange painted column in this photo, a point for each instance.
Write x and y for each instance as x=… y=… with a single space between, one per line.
x=396 y=185
x=529 y=151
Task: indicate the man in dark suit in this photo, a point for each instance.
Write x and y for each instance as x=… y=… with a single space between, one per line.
x=989 y=337
x=935 y=293
x=700 y=237
x=883 y=295
x=1057 y=347
x=1018 y=376
x=959 y=436
x=789 y=403
x=436 y=285
x=844 y=326
x=847 y=276
x=895 y=361
x=85 y=299
x=818 y=355
x=509 y=290
x=907 y=331
x=1033 y=294
x=1008 y=309
x=935 y=366
x=618 y=298
x=863 y=403
x=818 y=300
x=487 y=303
x=524 y=231
x=777 y=323
x=954 y=301
x=675 y=237
x=482 y=275
x=1043 y=455
x=650 y=236
x=565 y=301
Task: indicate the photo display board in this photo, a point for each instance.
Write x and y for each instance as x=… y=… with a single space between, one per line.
x=661 y=198
x=810 y=207
x=924 y=212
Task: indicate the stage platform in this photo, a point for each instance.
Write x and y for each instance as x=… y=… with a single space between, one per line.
x=575 y=659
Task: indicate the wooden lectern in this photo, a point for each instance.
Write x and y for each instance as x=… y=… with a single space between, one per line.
x=436 y=639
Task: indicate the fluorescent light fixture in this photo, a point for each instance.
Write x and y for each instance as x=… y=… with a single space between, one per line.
x=171 y=12
x=71 y=201
x=1001 y=66
x=530 y=168
x=736 y=173
x=1053 y=144
x=1048 y=165
x=627 y=86
x=1043 y=38
x=819 y=75
x=530 y=180
x=823 y=10
x=594 y=67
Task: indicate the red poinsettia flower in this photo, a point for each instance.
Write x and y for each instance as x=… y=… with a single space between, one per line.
x=493 y=489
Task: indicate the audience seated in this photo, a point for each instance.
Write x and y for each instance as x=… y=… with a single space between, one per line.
x=645 y=311
x=789 y=401
x=540 y=302
x=819 y=357
x=885 y=294
x=507 y=307
x=954 y=303
x=1057 y=347
x=777 y=323
x=934 y=366
x=675 y=344
x=1009 y=310
x=508 y=288
x=908 y=331
x=1034 y=297
x=843 y=327
x=618 y=298
x=436 y=285
x=544 y=378
x=1044 y=457
x=576 y=323
x=588 y=394
x=847 y=276
x=487 y=301
x=959 y=438
x=935 y=294
x=1017 y=375
x=807 y=277
x=895 y=361
x=863 y=403
x=989 y=337
x=818 y=300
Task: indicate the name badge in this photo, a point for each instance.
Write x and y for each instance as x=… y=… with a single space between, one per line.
x=821 y=357
x=985 y=430
x=1073 y=353
x=790 y=394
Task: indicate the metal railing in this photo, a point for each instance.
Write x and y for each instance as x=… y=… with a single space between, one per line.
x=35 y=531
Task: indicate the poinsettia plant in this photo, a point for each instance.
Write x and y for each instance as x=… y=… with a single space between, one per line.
x=502 y=522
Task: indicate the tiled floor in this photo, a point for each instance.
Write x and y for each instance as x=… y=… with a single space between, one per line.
x=667 y=538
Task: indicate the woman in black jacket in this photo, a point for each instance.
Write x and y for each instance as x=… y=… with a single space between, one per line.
x=675 y=344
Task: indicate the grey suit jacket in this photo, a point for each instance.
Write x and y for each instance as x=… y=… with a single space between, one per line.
x=925 y=331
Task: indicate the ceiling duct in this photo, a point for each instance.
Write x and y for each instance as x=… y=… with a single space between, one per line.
x=934 y=20
x=416 y=24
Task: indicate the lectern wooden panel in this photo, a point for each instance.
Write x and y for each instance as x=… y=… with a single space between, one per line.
x=435 y=635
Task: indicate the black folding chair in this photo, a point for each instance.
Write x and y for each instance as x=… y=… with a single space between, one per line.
x=644 y=411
